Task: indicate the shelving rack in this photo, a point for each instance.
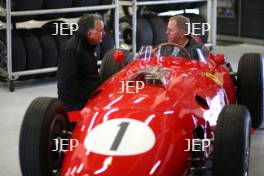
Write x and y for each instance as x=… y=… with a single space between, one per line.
x=211 y=16
x=9 y=74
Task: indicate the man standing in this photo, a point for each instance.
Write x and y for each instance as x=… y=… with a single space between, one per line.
x=77 y=73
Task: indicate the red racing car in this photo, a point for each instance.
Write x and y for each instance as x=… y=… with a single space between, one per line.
x=166 y=112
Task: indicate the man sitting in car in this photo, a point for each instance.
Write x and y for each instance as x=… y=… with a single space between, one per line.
x=177 y=32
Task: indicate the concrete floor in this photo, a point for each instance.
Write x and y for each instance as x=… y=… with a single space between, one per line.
x=13 y=106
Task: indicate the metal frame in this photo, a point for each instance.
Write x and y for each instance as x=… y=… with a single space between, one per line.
x=8 y=13
x=211 y=16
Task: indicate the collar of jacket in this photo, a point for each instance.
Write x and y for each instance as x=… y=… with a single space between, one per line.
x=84 y=40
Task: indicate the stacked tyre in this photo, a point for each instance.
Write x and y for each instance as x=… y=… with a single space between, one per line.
x=151 y=30
x=19 y=5
x=18 y=52
x=107 y=43
x=38 y=48
x=31 y=49
x=28 y=5
x=84 y=3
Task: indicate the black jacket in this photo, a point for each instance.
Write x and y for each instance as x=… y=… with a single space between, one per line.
x=193 y=44
x=77 y=73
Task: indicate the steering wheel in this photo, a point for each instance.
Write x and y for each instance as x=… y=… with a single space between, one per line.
x=171 y=44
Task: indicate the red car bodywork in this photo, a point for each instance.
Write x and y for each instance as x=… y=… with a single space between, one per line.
x=195 y=94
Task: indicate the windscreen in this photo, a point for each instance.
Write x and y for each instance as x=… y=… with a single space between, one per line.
x=172 y=50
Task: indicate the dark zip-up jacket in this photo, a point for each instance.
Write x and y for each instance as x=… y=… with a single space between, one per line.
x=77 y=73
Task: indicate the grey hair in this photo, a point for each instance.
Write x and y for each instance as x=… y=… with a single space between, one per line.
x=87 y=22
x=181 y=22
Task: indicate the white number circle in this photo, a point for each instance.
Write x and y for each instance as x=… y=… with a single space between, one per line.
x=120 y=137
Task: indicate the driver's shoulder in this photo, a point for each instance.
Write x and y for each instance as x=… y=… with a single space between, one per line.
x=193 y=44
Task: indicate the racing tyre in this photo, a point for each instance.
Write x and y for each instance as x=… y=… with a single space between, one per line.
x=49 y=50
x=52 y=26
x=3 y=55
x=164 y=7
x=107 y=43
x=82 y=3
x=104 y=2
x=33 y=49
x=126 y=11
x=19 y=57
x=60 y=40
x=51 y=4
x=197 y=5
x=183 y=6
x=110 y=66
x=144 y=33
x=20 y=5
x=232 y=142
x=250 y=86
x=158 y=28
x=44 y=120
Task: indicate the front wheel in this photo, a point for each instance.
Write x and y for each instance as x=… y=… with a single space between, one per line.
x=232 y=142
x=44 y=121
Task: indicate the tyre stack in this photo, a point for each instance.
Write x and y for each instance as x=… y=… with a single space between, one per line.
x=28 y=5
x=83 y=3
x=20 y=5
x=151 y=28
x=18 y=52
x=31 y=49
x=39 y=48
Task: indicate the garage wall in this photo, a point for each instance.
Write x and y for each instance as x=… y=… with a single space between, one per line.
x=252 y=25
x=229 y=26
x=252 y=19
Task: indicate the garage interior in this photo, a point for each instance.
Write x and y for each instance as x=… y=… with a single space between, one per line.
x=239 y=30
